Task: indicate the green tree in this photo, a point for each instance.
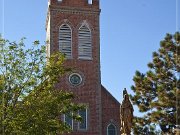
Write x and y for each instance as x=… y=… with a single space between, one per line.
x=156 y=91
x=30 y=101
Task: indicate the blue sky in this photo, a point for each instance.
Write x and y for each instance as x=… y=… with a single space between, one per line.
x=130 y=31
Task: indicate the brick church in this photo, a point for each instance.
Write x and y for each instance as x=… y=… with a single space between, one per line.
x=72 y=27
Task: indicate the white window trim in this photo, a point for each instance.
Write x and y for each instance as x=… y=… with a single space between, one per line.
x=86 y=122
x=71 y=39
x=114 y=126
x=71 y=122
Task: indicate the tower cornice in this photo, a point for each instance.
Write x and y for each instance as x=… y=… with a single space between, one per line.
x=75 y=10
x=72 y=10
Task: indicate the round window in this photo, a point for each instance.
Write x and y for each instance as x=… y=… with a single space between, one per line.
x=75 y=79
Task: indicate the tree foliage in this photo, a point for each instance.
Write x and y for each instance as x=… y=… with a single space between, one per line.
x=157 y=90
x=30 y=102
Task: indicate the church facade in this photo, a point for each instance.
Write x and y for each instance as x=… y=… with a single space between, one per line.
x=72 y=27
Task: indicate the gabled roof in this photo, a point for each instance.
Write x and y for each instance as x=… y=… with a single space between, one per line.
x=106 y=92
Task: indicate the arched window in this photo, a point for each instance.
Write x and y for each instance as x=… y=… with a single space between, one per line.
x=111 y=130
x=84 y=43
x=65 y=40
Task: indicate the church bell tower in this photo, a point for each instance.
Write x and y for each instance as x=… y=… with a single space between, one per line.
x=72 y=27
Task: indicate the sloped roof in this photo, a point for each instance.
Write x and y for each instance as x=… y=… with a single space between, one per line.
x=106 y=92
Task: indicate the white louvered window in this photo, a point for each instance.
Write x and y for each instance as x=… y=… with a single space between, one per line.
x=89 y=1
x=84 y=43
x=65 y=40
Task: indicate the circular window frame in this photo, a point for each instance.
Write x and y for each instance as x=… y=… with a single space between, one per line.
x=80 y=82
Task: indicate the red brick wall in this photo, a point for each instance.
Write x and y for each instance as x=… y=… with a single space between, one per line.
x=111 y=111
x=74 y=12
x=103 y=108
